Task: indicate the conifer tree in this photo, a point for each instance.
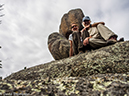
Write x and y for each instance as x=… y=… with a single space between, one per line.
x=1 y=8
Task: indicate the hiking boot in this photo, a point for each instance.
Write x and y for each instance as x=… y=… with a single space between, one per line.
x=80 y=52
x=111 y=41
x=121 y=39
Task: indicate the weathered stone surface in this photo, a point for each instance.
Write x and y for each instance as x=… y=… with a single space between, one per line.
x=57 y=42
x=101 y=72
x=58 y=46
x=95 y=85
x=73 y=16
x=110 y=59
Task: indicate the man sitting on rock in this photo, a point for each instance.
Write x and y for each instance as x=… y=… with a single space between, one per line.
x=76 y=40
x=99 y=34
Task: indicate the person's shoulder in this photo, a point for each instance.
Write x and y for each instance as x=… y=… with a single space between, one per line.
x=70 y=37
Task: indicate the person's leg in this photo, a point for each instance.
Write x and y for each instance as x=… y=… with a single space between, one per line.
x=97 y=43
x=75 y=43
x=80 y=43
x=87 y=48
x=105 y=32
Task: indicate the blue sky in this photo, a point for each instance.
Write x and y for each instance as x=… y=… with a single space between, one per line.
x=27 y=24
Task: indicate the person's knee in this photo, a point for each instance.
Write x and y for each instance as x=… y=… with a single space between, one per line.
x=99 y=25
x=91 y=39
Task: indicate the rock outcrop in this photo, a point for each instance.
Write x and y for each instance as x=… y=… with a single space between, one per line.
x=101 y=72
x=58 y=46
x=58 y=43
x=73 y=16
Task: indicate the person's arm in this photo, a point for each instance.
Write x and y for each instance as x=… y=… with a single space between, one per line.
x=85 y=28
x=95 y=24
x=71 y=45
x=71 y=49
x=86 y=41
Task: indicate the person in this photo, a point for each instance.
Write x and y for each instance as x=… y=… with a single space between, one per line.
x=76 y=40
x=99 y=34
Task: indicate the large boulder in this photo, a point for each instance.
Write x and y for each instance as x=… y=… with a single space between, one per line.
x=73 y=16
x=58 y=43
x=58 y=46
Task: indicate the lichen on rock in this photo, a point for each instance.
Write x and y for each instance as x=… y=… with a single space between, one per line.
x=100 y=72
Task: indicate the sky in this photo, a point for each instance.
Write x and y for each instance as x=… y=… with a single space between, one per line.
x=27 y=24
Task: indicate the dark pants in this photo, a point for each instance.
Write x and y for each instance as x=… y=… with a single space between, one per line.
x=78 y=44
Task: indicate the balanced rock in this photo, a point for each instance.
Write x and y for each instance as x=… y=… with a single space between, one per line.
x=58 y=46
x=73 y=16
x=58 y=43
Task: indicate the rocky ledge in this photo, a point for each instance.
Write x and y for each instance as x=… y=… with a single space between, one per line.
x=100 y=72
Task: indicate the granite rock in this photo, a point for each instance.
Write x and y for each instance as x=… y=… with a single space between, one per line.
x=73 y=16
x=58 y=46
x=58 y=43
x=101 y=72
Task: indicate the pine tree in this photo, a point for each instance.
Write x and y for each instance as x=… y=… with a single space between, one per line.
x=0 y=61
x=1 y=8
x=0 y=64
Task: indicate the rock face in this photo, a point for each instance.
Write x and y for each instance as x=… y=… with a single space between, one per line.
x=58 y=46
x=57 y=42
x=101 y=72
x=73 y=16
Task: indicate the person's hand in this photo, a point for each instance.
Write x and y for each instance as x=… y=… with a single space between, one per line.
x=86 y=41
x=86 y=27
